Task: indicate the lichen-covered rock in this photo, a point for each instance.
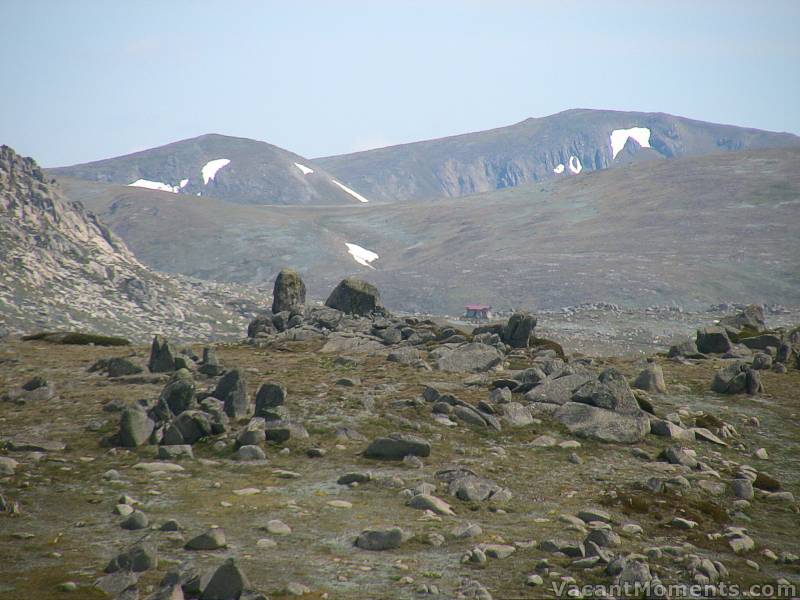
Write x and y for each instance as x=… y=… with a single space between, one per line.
x=354 y=296
x=289 y=293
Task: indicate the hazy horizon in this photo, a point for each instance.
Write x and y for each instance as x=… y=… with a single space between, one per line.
x=93 y=80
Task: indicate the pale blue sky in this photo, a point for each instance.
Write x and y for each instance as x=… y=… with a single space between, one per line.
x=84 y=80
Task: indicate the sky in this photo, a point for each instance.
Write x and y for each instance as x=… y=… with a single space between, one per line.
x=84 y=80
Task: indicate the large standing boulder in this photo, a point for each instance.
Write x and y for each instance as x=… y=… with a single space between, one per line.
x=519 y=330
x=162 y=356
x=135 y=427
x=473 y=357
x=232 y=390
x=289 y=293
x=737 y=378
x=713 y=340
x=354 y=296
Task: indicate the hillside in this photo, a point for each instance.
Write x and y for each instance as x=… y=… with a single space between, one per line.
x=235 y=169
x=688 y=231
x=62 y=268
x=553 y=147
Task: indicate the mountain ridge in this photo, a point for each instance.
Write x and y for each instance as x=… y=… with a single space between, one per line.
x=246 y=171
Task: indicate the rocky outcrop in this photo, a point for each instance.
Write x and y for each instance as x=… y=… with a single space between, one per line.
x=81 y=277
x=605 y=409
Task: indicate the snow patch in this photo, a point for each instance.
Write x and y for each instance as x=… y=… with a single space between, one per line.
x=575 y=164
x=355 y=195
x=361 y=255
x=154 y=185
x=620 y=136
x=211 y=168
x=184 y=183
x=303 y=169
x=559 y=169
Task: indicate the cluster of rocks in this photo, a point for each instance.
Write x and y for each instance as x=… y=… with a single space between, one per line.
x=225 y=581
x=181 y=415
x=744 y=339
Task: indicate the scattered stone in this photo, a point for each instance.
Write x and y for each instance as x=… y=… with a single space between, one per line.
x=226 y=582
x=432 y=503
x=277 y=527
x=175 y=452
x=651 y=379
x=135 y=521
x=140 y=557
x=213 y=539
x=250 y=453
x=381 y=539
x=397 y=446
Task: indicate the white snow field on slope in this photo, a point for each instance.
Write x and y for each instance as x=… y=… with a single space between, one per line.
x=361 y=255
x=620 y=136
x=355 y=195
x=154 y=185
x=559 y=169
x=575 y=164
x=303 y=169
x=211 y=168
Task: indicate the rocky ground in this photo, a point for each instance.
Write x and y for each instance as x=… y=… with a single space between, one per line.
x=511 y=469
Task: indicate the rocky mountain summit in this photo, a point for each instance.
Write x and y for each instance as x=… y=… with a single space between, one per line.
x=554 y=147
x=346 y=452
x=237 y=170
x=62 y=268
